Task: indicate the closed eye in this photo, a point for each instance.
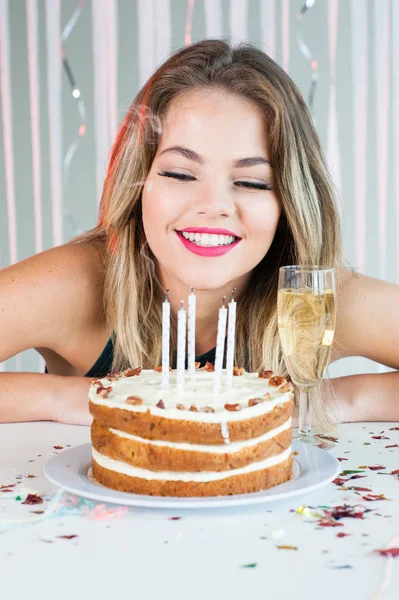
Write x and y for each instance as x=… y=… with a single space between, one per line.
x=179 y=176
x=253 y=185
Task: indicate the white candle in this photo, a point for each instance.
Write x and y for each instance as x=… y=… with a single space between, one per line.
x=220 y=340
x=165 y=341
x=181 y=347
x=191 y=335
x=231 y=331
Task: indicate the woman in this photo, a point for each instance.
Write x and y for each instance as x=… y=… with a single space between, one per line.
x=216 y=179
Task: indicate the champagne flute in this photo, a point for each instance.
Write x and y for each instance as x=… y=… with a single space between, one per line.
x=306 y=324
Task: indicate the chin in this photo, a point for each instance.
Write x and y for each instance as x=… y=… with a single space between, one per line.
x=206 y=279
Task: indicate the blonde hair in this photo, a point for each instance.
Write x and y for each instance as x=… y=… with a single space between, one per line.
x=308 y=232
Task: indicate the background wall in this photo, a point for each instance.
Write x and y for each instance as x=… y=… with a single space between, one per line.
x=54 y=147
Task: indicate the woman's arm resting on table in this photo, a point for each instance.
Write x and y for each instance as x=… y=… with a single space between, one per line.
x=367 y=326
x=46 y=301
x=366 y=397
x=44 y=397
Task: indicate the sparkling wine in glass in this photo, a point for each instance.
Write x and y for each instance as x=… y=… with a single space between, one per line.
x=306 y=324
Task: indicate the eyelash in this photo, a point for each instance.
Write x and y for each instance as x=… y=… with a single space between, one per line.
x=243 y=184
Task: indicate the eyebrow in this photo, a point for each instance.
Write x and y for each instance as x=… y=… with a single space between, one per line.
x=191 y=155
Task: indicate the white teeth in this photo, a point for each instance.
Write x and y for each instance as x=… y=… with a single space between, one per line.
x=209 y=239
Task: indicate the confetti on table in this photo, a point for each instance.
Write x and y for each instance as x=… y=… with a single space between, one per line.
x=353 y=471
x=58 y=447
x=388 y=552
x=287 y=547
x=67 y=537
x=249 y=566
x=341 y=534
x=374 y=497
x=33 y=499
x=340 y=567
x=174 y=518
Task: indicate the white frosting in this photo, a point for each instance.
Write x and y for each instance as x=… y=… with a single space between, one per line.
x=217 y=448
x=148 y=387
x=224 y=430
x=125 y=469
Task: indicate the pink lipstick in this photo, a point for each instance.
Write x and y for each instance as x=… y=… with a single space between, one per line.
x=210 y=251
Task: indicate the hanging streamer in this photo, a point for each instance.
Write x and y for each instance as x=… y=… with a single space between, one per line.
x=285 y=34
x=333 y=153
x=6 y=115
x=238 y=20
x=189 y=22
x=268 y=25
x=381 y=57
x=76 y=94
x=54 y=99
x=34 y=103
x=213 y=19
x=308 y=55
x=395 y=103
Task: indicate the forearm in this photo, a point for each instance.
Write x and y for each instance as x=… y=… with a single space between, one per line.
x=44 y=397
x=365 y=397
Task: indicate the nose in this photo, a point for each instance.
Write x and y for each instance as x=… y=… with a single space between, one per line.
x=214 y=200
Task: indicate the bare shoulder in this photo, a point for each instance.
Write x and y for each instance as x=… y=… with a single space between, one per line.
x=367 y=319
x=46 y=298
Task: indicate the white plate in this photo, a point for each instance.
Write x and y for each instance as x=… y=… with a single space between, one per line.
x=69 y=470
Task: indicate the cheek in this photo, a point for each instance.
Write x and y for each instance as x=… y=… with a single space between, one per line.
x=262 y=220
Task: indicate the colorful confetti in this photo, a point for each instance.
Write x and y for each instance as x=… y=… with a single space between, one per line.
x=388 y=552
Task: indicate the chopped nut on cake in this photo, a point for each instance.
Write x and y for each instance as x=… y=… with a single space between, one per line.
x=277 y=381
x=132 y=372
x=238 y=371
x=232 y=407
x=265 y=374
x=135 y=400
x=253 y=401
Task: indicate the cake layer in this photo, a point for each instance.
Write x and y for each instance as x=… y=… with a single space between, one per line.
x=198 y=402
x=154 y=427
x=174 y=456
x=253 y=478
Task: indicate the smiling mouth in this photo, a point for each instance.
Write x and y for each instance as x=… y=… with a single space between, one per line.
x=209 y=240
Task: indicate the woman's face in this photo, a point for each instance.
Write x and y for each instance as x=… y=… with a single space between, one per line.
x=209 y=209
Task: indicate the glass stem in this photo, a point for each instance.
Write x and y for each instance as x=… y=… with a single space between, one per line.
x=304 y=417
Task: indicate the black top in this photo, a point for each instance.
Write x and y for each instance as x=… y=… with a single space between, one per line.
x=103 y=365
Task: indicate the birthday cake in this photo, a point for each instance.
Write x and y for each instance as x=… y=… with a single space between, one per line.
x=155 y=441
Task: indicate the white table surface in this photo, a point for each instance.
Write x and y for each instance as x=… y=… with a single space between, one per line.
x=145 y=554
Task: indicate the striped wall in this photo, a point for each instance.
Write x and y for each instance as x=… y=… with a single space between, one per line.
x=54 y=147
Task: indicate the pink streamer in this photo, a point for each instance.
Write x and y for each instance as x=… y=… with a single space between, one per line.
x=189 y=22
x=6 y=113
x=359 y=98
x=387 y=575
x=395 y=103
x=381 y=55
x=333 y=153
x=34 y=97
x=54 y=85
x=285 y=33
